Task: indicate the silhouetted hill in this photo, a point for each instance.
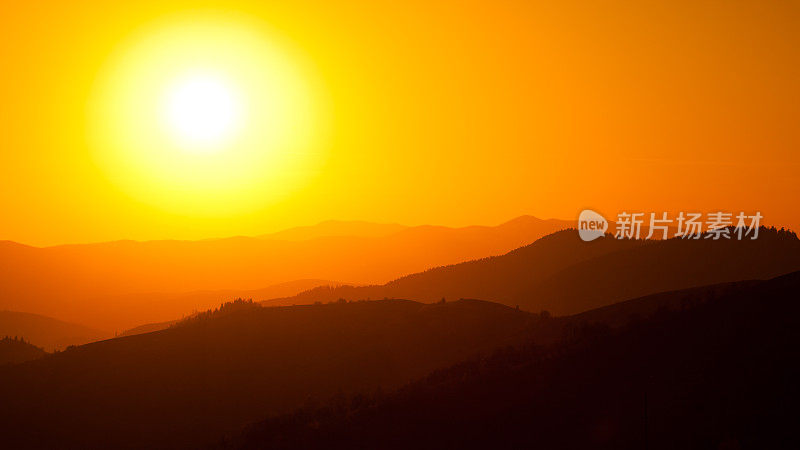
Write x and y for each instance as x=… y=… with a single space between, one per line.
x=565 y=275
x=201 y=300
x=217 y=371
x=110 y=285
x=666 y=265
x=617 y=315
x=497 y=277
x=52 y=334
x=15 y=350
x=714 y=369
x=174 y=306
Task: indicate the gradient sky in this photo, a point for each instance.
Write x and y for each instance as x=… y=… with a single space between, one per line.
x=448 y=113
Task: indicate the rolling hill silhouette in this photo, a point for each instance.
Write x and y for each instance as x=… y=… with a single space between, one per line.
x=110 y=285
x=174 y=306
x=564 y=275
x=220 y=370
x=712 y=368
x=16 y=350
x=194 y=301
x=46 y=332
x=216 y=371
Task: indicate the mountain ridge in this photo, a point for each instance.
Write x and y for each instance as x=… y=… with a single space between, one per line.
x=565 y=275
x=83 y=279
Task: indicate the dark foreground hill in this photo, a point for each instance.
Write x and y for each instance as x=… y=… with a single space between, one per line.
x=15 y=350
x=564 y=275
x=219 y=371
x=715 y=369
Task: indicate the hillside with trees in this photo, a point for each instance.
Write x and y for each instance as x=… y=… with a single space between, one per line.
x=16 y=350
x=711 y=368
x=217 y=371
x=47 y=332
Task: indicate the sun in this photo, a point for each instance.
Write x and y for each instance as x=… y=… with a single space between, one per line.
x=202 y=111
x=208 y=114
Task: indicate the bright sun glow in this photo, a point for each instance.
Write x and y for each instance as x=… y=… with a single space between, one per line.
x=202 y=110
x=209 y=116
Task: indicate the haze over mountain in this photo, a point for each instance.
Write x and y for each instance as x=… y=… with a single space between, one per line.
x=336 y=228
x=724 y=377
x=141 y=308
x=95 y=283
x=565 y=275
x=203 y=300
x=46 y=332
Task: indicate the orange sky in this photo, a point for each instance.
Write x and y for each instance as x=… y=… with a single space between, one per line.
x=440 y=112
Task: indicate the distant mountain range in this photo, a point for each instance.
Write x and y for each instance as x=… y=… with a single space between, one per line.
x=559 y=273
x=576 y=333
x=118 y=285
x=336 y=228
x=564 y=275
